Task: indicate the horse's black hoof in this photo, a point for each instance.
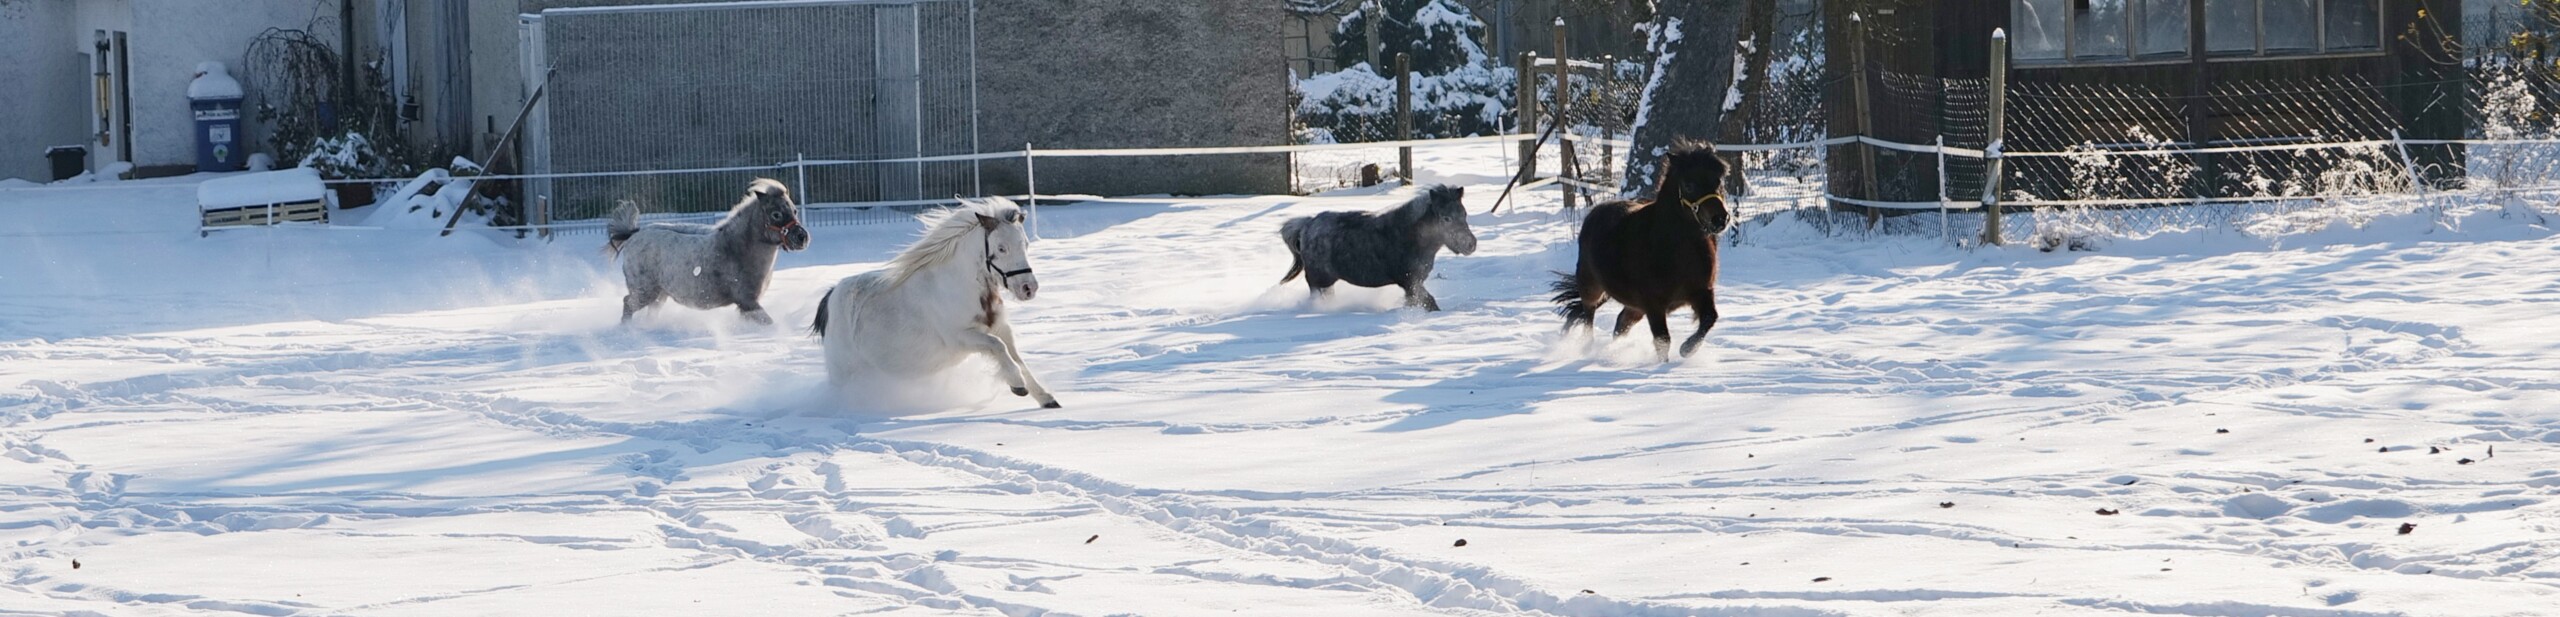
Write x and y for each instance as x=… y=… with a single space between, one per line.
x=1050 y=405
x=1020 y=391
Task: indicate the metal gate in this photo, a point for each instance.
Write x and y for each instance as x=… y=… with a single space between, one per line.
x=677 y=106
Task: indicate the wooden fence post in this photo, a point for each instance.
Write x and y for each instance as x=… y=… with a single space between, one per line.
x=1524 y=115
x=1404 y=115
x=1031 y=190
x=1999 y=133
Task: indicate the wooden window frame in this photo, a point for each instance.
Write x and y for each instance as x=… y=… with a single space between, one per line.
x=2133 y=49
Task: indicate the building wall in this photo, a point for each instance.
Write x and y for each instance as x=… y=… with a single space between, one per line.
x=1072 y=74
x=1131 y=74
x=48 y=94
x=170 y=37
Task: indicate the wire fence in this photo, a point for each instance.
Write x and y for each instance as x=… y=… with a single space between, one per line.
x=2076 y=157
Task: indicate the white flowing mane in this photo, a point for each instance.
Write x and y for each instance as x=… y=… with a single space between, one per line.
x=946 y=232
x=757 y=188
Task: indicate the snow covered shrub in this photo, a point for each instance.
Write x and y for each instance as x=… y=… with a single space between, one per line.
x=291 y=79
x=345 y=156
x=1457 y=91
x=1442 y=35
x=2511 y=110
x=1356 y=105
x=2075 y=228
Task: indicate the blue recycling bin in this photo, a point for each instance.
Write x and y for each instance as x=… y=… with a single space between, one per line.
x=214 y=97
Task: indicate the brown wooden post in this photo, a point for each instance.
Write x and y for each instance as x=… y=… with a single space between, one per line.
x=1999 y=132
x=1524 y=115
x=1608 y=81
x=1404 y=115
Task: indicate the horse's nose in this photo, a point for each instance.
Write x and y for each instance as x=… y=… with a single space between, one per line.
x=1030 y=288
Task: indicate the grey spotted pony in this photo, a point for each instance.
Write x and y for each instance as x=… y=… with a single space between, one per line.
x=707 y=266
x=1377 y=249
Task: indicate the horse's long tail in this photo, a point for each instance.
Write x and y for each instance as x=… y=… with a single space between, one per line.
x=1289 y=233
x=818 y=326
x=1569 y=301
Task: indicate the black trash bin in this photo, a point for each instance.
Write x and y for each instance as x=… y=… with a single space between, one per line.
x=67 y=161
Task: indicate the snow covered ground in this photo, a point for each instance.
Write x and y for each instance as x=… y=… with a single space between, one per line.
x=383 y=422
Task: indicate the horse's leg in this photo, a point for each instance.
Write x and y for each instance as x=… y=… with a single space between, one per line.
x=1031 y=385
x=1318 y=279
x=1627 y=321
x=754 y=311
x=1008 y=367
x=1415 y=295
x=1705 y=305
x=1661 y=334
x=638 y=298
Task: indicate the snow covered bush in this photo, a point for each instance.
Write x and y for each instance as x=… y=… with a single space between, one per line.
x=1357 y=105
x=1442 y=35
x=345 y=156
x=2072 y=228
x=1457 y=91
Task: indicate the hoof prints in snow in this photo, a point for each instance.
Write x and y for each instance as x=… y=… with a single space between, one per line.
x=1325 y=462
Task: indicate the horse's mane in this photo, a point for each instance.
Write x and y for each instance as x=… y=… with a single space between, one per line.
x=1414 y=209
x=1686 y=150
x=759 y=188
x=945 y=232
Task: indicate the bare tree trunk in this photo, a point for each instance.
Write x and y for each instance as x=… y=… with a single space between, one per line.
x=1761 y=29
x=1685 y=94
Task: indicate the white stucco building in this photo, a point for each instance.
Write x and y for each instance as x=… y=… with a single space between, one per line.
x=112 y=74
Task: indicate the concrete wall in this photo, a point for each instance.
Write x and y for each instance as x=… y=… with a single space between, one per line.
x=1056 y=73
x=47 y=96
x=48 y=47
x=1135 y=73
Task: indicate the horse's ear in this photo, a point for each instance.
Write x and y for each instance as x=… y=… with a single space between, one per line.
x=988 y=222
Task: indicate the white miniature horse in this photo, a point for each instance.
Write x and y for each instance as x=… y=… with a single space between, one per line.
x=936 y=301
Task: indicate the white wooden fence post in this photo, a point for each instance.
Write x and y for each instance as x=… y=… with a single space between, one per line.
x=1945 y=230
x=802 y=190
x=1999 y=130
x=1031 y=189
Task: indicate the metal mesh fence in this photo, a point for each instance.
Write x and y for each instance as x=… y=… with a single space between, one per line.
x=2080 y=155
x=640 y=89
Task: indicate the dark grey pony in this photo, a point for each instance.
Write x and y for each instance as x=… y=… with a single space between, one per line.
x=1377 y=249
x=707 y=266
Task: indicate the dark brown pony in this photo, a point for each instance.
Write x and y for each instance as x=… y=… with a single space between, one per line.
x=1653 y=256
